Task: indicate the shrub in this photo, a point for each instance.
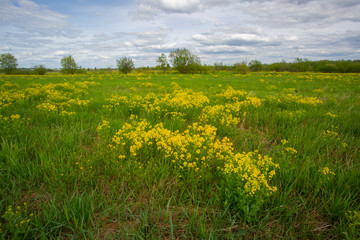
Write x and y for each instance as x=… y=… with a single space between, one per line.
x=69 y=65
x=81 y=70
x=39 y=70
x=8 y=63
x=241 y=68
x=163 y=62
x=300 y=65
x=184 y=61
x=255 y=66
x=125 y=65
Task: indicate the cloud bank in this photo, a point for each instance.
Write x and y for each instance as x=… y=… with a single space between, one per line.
x=97 y=33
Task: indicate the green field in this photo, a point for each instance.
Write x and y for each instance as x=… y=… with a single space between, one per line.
x=172 y=156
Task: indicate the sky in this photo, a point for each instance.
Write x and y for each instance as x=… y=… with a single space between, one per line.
x=98 y=32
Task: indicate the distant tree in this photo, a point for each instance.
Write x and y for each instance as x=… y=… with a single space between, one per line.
x=125 y=65
x=348 y=66
x=241 y=68
x=39 y=70
x=219 y=66
x=282 y=66
x=326 y=66
x=184 y=61
x=8 y=62
x=68 y=65
x=300 y=65
x=81 y=70
x=255 y=66
x=163 y=63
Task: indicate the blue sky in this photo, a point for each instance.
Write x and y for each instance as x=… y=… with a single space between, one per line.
x=96 y=33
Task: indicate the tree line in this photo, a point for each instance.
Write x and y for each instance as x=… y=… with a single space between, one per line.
x=184 y=61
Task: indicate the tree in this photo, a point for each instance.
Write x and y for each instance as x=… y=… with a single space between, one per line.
x=255 y=65
x=300 y=65
x=219 y=66
x=40 y=69
x=68 y=65
x=125 y=65
x=8 y=62
x=240 y=68
x=163 y=62
x=184 y=61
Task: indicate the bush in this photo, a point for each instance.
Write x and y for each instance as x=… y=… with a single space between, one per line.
x=8 y=63
x=198 y=68
x=184 y=61
x=125 y=65
x=300 y=65
x=39 y=70
x=221 y=67
x=163 y=63
x=240 y=68
x=21 y=71
x=81 y=70
x=279 y=67
x=255 y=66
x=69 y=65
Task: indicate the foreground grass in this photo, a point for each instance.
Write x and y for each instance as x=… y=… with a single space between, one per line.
x=67 y=172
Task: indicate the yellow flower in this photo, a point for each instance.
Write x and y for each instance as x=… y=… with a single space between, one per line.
x=291 y=150
x=331 y=115
x=326 y=171
x=16 y=116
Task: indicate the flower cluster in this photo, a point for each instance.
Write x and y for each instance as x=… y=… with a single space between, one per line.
x=353 y=218
x=331 y=115
x=231 y=94
x=251 y=172
x=330 y=133
x=61 y=97
x=326 y=174
x=288 y=116
x=326 y=171
x=319 y=90
x=13 y=117
x=288 y=150
x=180 y=100
x=17 y=220
x=54 y=97
x=218 y=114
x=291 y=150
x=103 y=125
x=229 y=113
x=9 y=97
x=292 y=99
x=195 y=150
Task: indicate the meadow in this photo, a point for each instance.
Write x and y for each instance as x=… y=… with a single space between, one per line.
x=174 y=156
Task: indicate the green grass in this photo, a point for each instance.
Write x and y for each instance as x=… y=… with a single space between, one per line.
x=57 y=165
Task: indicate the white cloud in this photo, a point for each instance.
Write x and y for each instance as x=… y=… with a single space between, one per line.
x=184 y=6
x=60 y=53
x=216 y=30
x=199 y=37
x=148 y=9
x=223 y=49
x=309 y=14
x=290 y=38
x=236 y=37
x=36 y=19
x=5 y=48
x=248 y=38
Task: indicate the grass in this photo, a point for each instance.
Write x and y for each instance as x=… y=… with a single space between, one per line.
x=99 y=156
